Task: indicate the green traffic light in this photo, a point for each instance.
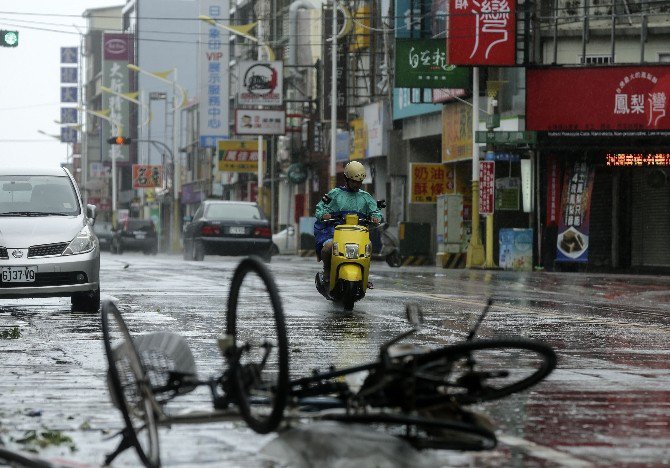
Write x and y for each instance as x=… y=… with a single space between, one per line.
x=9 y=38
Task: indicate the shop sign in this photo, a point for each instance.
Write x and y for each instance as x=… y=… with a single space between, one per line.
x=213 y=73
x=480 y=32
x=377 y=123
x=297 y=173
x=487 y=175
x=147 y=176
x=422 y=63
x=593 y=99
x=342 y=146
x=447 y=95
x=117 y=54
x=428 y=180
x=239 y=155
x=573 y=227
x=507 y=193
x=342 y=55
x=456 y=132
x=261 y=83
x=260 y=122
x=637 y=159
x=358 y=139
x=191 y=193
x=411 y=18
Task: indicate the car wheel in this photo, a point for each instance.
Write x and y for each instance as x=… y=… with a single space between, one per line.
x=274 y=250
x=198 y=251
x=88 y=301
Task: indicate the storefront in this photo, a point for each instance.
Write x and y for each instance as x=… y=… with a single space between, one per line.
x=604 y=189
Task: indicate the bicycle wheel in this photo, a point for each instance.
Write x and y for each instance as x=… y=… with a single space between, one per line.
x=480 y=370
x=130 y=387
x=459 y=431
x=19 y=459
x=258 y=360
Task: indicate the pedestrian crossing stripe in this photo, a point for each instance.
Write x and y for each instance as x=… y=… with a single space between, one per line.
x=453 y=260
x=415 y=260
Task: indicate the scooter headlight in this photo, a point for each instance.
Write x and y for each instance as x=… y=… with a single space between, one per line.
x=336 y=249
x=368 y=250
x=351 y=250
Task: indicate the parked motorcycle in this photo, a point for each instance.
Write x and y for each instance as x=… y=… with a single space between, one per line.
x=350 y=261
x=390 y=250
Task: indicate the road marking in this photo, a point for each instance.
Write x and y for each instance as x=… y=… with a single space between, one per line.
x=546 y=453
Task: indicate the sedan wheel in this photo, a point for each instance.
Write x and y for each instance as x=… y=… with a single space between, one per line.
x=88 y=301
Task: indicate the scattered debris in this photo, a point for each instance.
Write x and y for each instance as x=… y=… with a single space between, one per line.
x=11 y=334
x=34 y=440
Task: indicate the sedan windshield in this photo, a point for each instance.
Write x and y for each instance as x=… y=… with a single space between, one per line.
x=233 y=211
x=37 y=196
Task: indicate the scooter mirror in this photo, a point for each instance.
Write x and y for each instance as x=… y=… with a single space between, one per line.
x=381 y=203
x=414 y=314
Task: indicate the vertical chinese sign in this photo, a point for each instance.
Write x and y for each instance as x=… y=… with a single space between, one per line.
x=117 y=53
x=69 y=59
x=214 y=75
x=553 y=189
x=481 y=32
x=456 y=132
x=341 y=72
x=487 y=176
x=428 y=180
x=573 y=226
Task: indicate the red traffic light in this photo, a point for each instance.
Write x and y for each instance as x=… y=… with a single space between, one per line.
x=119 y=140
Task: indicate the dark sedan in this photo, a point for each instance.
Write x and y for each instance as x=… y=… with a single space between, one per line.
x=227 y=228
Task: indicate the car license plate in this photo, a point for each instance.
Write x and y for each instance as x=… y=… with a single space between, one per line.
x=19 y=274
x=237 y=230
x=140 y=235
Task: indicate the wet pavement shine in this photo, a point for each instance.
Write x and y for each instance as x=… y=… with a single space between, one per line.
x=606 y=404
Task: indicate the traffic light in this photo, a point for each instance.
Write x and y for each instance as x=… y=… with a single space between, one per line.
x=9 y=38
x=119 y=140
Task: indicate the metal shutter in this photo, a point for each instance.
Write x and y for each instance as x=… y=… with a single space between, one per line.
x=651 y=217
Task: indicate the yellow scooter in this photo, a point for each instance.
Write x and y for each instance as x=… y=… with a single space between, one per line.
x=350 y=261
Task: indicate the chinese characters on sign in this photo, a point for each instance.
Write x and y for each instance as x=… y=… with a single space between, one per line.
x=214 y=75
x=239 y=156
x=341 y=72
x=573 y=231
x=456 y=132
x=481 y=32
x=428 y=180
x=592 y=100
x=117 y=53
x=147 y=176
x=68 y=94
x=635 y=103
x=260 y=122
x=637 y=159
x=422 y=63
x=487 y=175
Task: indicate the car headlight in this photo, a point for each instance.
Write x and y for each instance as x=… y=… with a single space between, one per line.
x=351 y=250
x=84 y=242
x=336 y=249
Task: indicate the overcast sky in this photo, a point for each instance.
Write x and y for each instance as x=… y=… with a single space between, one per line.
x=30 y=77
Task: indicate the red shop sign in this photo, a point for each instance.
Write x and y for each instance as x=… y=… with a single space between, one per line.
x=591 y=99
x=481 y=32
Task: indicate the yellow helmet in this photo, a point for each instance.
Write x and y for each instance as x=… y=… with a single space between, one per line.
x=354 y=171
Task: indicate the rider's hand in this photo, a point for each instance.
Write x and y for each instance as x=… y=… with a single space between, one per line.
x=326 y=216
x=376 y=220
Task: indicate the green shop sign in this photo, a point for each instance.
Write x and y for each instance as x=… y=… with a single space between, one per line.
x=422 y=63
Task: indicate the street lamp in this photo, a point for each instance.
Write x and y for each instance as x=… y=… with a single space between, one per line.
x=104 y=115
x=176 y=105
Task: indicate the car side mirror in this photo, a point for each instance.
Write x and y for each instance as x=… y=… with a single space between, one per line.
x=381 y=204
x=91 y=213
x=291 y=231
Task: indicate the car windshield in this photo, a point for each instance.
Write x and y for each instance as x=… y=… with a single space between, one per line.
x=37 y=196
x=242 y=212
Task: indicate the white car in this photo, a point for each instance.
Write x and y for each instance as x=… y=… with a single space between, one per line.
x=285 y=241
x=47 y=244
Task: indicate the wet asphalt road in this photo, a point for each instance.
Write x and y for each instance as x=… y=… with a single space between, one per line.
x=608 y=403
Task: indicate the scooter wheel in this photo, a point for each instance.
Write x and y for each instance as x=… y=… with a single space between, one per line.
x=394 y=259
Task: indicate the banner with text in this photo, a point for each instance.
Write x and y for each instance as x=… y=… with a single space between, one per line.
x=573 y=226
x=428 y=180
x=239 y=155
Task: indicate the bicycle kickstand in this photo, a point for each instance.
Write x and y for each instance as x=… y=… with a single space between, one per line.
x=126 y=443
